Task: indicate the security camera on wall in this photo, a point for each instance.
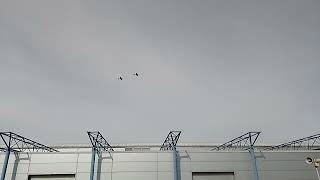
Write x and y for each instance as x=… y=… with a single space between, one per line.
x=309 y=160
x=316 y=162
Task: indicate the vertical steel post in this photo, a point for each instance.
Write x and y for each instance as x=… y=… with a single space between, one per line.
x=175 y=170
x=5 y=164
x=254 y=163
x=93 y=161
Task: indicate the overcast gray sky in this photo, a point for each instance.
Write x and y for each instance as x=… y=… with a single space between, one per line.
x=214 y=69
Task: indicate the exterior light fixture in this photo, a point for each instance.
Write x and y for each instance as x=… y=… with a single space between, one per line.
x=315 y=162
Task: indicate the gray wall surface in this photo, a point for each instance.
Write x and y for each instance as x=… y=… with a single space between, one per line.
x=157 y=165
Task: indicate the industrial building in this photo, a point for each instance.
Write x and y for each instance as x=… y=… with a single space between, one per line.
x=238 y=159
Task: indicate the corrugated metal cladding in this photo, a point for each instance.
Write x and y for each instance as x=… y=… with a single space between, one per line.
x=158 y=165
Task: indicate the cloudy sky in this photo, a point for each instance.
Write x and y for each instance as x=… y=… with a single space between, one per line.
x=212 y=68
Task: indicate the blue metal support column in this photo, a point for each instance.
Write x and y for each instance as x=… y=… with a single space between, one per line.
x=99 y=144
x=93 y=162
x=5 y=164
x=254 y=163
x=175 y=169
x=170 y=143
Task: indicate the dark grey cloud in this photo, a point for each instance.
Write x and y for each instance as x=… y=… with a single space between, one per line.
x=214 y=69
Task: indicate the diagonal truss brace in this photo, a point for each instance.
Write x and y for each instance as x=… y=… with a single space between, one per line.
x=99 y=143
x=17 y=143
x=308 y=143
x=171 y=141
x=244 y=142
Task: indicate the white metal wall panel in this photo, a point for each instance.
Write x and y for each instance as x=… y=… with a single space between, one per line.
x=220 y=166
x=84 y=158
x=165 y=175
x=134 y=166
x=135 y=176
x=158 y=165
x=54 y=158
x=165 y=166
x=164 y=156
x=146 y=156
x=53 y=168
x=216 y=156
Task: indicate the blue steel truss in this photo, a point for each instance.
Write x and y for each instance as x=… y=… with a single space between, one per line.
x=243 y=142
x=99 y=143
x=17 y=143
x=171 y=141
x=308 y=143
